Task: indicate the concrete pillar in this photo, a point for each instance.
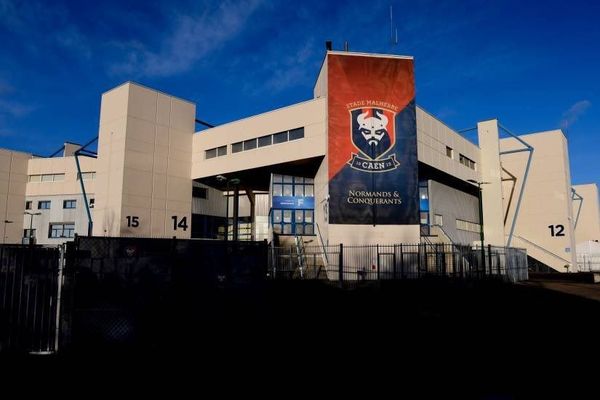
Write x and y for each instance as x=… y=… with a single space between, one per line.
x=490 y=171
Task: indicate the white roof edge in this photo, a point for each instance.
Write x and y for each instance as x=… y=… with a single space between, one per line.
x=264 y=113
x=360 y=54
x=149 y=88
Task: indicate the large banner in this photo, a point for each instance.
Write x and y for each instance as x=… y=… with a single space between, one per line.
x=373 y=177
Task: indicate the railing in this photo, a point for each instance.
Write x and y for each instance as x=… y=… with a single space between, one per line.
x=588 y=262
x=400 y=261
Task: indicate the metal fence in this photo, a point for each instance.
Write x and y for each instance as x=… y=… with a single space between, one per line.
x=588 y=262
x=400 y=261
x=29 y=290
x=139 y=291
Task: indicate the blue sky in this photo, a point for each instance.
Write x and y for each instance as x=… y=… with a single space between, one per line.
x=533 y=65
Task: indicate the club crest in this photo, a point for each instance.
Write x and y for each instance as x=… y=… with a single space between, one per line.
x=373 y=134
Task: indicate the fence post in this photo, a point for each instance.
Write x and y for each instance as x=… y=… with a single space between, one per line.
x=341 y=264
x=490 y=258
x=419 y=260
x=499 y=262
x=394 y=270
x=377 y=249
x=401 y=261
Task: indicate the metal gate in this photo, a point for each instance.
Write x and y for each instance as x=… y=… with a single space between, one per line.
x=29 y=290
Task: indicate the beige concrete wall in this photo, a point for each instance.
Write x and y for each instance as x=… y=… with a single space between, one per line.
x=491 y=173
x=144 y=161
x=432 y=138
x=60 y=165
x=13 y=181
x=546 y=200
x=588 y=225
x=310 y=114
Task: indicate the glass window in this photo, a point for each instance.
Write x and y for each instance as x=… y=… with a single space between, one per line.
x=288 y=179
x=287 y=190
x=69 y=230
x=309 y=180
x=438 y=219
x=28 y=205
x=221 y=151
x=92 y=202
x=264 y=141
x=297 y=133
x=28 y=233
x=277 y=228
x=199 y=192
x=88 y=175
x=299 y=229
x=44 y=205
x=212 y=153
x=237 y=147
x=48 y=178
x=58 y=177
x=287 y=216
x=287 y=229
x=299 y=216
x=35 y=178
x=449 y=152
x=298 y=190
x=69 y=203
x=308 y=216
x=309 y=190
x=277 y=189
x=308 y=229
x=280 y=137
x=276 y=216
x=277 y=178
x=249 y=144
x=424 y=218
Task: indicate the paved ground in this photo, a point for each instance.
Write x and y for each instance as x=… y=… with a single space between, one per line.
x=587 y=290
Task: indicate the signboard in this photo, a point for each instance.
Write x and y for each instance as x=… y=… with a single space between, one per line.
x=373 y=167
x=293 y=202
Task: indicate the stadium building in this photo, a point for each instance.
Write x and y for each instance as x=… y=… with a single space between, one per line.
x=359 y=163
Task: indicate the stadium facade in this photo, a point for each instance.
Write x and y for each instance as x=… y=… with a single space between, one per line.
x=359 y=163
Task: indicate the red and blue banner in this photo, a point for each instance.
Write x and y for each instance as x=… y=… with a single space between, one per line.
x=373 y=166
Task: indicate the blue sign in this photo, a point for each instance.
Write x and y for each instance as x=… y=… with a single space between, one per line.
x=294 y=202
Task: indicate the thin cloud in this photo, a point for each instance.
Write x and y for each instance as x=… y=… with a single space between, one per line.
x=14 y=108
x=193 y=37
x=573 y=114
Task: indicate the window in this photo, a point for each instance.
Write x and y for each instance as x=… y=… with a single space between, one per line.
x=61 y=230
x=467 y=162
x=237 y=147
x=296 y=133
x=449 y=152
x=29 y=233
x=47 y=178
x=467 y=226
x=280 y=137
x=92 y=202
x=88 y=175
x=438 y=219
x=221 y=151
x=249 y=144
x=28 y=205
x=265 y=141
x=199 y=192
x=424 y=218
x=69 y=203
x=212 y=153
x=44 y=205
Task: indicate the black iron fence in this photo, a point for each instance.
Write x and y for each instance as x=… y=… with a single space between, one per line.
x=97 y=292
x=400 y=261
x=136 y=292
x=29 y=290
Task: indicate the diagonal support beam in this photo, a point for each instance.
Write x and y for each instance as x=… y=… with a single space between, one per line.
x=529 y=149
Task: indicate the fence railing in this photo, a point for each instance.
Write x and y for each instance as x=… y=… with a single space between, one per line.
x=588 y=262
x=397 y=261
